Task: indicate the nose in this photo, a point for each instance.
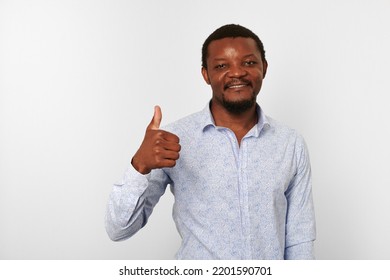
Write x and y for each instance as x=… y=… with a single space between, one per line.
x=237 y=71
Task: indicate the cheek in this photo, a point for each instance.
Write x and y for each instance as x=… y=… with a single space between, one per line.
x=258 y=76
x=217 y=80
x=259 y=83
x=216 y=86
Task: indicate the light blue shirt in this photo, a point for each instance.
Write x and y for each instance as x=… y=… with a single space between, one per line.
x=247 y=201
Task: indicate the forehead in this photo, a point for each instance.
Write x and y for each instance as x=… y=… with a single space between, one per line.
x=233 y=46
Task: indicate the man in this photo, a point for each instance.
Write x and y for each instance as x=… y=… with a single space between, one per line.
x=241 y=181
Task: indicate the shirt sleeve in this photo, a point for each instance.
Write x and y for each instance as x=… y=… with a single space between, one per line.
x=300 y=219
x=132 y=200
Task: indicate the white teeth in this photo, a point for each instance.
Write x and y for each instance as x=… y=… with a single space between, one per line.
x=237 y=86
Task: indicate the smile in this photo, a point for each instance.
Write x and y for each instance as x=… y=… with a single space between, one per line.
x=237 y=83
x=237 y=86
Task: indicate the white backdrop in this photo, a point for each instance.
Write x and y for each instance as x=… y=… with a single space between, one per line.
x=79 y=79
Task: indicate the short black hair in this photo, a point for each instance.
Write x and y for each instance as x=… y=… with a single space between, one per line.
x=230 y=30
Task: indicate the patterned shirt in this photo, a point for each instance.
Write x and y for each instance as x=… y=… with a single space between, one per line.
x=247 y=201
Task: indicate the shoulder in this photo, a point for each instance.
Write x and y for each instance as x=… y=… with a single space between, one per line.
x=191 y=123
x=285 y=133
x=282 y=130
x=291 y=140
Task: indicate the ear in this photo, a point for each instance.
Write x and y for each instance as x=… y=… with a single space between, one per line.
x=205 y=75
x=265 y=67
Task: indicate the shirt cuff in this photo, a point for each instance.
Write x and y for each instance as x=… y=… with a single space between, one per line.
x=303 y=251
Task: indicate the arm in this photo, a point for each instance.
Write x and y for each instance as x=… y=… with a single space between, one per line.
x=132 y=200
x=300 y=220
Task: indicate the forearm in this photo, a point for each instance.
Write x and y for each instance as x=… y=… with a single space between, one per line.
x=125 y=206
x=131 y=202
x=300 y=218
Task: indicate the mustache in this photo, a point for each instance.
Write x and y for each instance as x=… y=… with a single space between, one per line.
x=235 y=82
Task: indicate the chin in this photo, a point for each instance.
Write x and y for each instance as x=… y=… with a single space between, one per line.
x=239 y=106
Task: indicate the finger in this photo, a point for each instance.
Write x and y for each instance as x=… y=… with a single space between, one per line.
x=166 y=135
x=171 y=146
x=160 y=140
x=169 y=155
x=156 y=120
x=166 y=163
x=170 y=137
x=162 y=153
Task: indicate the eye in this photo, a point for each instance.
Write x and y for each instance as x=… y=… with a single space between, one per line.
x=220 y=66
x=250 y=62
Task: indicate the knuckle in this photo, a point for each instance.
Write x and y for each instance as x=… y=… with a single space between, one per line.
x=157 y=151
x=160 y=133
x=176 y=156
x=157 y=160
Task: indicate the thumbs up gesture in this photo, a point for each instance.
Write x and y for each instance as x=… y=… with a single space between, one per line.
x=158 y=149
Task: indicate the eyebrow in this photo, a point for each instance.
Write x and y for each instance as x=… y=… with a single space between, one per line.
x=250 y=55
x=245 y=56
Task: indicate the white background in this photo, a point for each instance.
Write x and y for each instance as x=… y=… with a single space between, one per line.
x=79 y=79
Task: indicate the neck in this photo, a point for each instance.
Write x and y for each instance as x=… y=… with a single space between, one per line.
x=240 y=124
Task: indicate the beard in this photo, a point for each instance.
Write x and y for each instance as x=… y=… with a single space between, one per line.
x=240 y=106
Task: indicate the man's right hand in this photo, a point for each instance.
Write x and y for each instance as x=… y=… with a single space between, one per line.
x=158 y=149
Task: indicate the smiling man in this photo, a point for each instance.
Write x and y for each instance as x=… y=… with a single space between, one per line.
x=241 y=180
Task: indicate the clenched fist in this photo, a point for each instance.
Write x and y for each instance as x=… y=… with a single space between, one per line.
x=158 y=149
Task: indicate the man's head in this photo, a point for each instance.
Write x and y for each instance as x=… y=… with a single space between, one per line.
x=233 y=31
x=234 y=65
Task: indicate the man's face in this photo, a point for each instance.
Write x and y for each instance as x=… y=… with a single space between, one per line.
x=235 y=72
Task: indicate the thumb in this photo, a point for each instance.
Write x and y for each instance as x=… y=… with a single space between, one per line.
x=156 y=120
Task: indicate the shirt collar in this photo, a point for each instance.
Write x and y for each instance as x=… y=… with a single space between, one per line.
x=262 y=122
